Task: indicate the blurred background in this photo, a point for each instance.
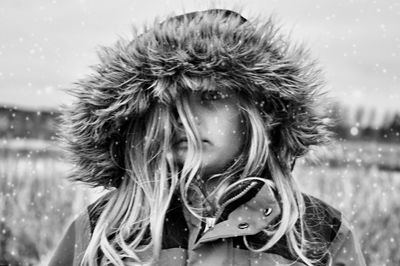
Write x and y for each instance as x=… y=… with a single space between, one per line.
x=47 y=45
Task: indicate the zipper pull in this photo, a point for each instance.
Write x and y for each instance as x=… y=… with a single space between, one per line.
x=210 y=223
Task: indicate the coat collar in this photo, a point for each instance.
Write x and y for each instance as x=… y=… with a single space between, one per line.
x=260 y=210
x=256 y=214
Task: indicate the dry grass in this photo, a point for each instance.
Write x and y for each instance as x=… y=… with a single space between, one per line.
x=369 y=199
x=37 y=203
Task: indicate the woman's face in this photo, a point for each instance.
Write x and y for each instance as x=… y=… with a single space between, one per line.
x=217 y=118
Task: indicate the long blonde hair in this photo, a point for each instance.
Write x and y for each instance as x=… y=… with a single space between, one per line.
x=131 y=223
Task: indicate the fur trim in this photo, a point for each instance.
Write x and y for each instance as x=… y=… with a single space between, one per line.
x=217 y=44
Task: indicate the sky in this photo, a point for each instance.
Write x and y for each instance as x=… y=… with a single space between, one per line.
x=47 y=45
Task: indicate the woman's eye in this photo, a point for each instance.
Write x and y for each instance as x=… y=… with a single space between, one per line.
x=213 y=96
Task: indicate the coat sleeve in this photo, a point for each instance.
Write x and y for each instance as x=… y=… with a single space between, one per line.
x=82 y=237
x=73 y=245
x=345 y=249
x=64 y=253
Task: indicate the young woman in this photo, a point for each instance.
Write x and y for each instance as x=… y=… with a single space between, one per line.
x=195 y=126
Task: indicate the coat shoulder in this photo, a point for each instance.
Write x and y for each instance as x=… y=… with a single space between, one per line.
x=322 y=221
x=345 y=249
x=95 y=209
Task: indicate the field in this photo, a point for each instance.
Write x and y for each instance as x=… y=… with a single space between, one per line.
x=37 y=203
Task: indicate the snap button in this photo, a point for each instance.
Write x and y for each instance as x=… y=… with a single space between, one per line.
x=267 y=211
x=243 y=225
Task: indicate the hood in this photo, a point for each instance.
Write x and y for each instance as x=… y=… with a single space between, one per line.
x=218 y=44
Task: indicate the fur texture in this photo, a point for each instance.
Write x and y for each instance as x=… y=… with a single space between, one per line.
x=251 y=58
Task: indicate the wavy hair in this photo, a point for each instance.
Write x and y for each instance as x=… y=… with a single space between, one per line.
x=131 y=222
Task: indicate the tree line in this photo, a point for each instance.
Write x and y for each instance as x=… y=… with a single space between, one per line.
x=360 y=124
x=366 y=124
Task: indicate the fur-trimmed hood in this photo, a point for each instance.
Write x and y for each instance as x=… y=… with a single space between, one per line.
x=217 y=44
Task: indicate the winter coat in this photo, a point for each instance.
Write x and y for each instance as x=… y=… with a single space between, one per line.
x=187 y=241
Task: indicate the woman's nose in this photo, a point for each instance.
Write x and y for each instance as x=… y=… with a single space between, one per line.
x=177 y=117
x=192 y=111
x=196 y=109
x=179 y=121
x=192 y=117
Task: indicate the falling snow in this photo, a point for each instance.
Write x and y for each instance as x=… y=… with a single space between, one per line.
x=356 y=42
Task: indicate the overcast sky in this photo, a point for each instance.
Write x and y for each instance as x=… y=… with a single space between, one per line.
x=47 y=45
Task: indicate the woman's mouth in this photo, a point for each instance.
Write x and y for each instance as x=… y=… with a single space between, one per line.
x=183 y=143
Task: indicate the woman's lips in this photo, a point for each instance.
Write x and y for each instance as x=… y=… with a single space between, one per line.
x=183 y=143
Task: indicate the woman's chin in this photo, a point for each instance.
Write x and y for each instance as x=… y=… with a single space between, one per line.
x=180 y=156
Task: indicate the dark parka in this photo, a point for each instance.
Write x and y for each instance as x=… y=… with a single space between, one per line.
x=250 y=58
x=186 y=241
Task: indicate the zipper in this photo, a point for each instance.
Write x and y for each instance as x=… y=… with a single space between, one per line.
x=210 y=222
